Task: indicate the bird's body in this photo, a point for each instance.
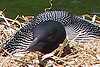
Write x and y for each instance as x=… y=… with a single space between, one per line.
x=46 y=32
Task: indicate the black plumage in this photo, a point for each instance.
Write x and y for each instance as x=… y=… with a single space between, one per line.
x=46 y=31
x=47 y=36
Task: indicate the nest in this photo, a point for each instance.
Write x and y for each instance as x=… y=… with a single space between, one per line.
x=68 y=54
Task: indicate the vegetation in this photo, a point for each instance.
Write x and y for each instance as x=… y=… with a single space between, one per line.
x=33 y=7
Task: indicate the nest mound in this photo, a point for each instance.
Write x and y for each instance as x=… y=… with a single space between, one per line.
x=69 y=54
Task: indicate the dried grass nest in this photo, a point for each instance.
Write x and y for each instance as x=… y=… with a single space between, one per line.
x=68 y=54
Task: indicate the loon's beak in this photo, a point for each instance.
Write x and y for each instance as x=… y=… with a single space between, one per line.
x=31 y=46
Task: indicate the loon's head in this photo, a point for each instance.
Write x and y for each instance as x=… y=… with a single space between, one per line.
x=47 y=36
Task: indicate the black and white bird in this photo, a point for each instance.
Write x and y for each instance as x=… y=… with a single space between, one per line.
x=47 y=30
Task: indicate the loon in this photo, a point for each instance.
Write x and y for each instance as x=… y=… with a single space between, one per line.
x=47 y=30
